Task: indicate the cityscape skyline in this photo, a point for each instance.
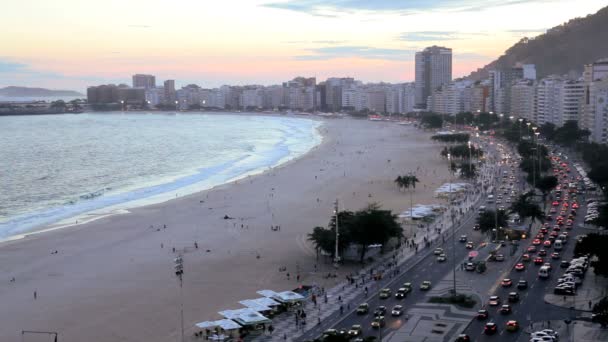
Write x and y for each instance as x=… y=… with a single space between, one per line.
x=256 y=42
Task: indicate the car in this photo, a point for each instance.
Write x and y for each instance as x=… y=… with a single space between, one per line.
x=401 y=292
x=355 y=330
x=469 y=267
x=438 y=251
x=463 y=238
x=547 y=244
x=539 y=336
x=506 y=282
x=536 y=242
x=525 y=257
x=494 y=301
x=513 y=297
x=469 y=245
x=512 y=325
x=407 y=287
x=397 y=310
x=555 y=255
x=477 y=226
x=380 y=311
x=425 y=285
x=538 y=261
x=482 y=314
x=550 y=332
x=378 y=322
x=505 y=309
x=522 y=284
x=499 y=257
x=565 y=290
x=520 y=267
x=548 y=265
x=564 y=264
x=362 y=309
x=463 y=338
x=490 y=328
x=555 y=203
x=540 y=236
x=328 y=333
x=542 y=252
x=532 y=249
x=385 y=293
x=442 y=257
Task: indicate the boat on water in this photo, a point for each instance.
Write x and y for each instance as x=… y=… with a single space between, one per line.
x=374 y=117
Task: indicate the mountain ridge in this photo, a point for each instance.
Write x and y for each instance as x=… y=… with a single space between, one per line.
x=14 y=91
x=561 y=50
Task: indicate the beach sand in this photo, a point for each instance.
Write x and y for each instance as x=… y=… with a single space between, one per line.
x=112 y=279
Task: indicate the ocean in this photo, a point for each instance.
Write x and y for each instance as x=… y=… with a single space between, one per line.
x=54 y=168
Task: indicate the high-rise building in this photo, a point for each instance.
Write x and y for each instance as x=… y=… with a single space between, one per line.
x=103 y=94
x=523 y=100
x=599 y=131
x=169 y=87
x=593 y=73
x=144 y=81
x=433 y=69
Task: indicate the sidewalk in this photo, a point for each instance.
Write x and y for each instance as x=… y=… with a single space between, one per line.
x=579 y=331
x=593 y=289
x=325 y=314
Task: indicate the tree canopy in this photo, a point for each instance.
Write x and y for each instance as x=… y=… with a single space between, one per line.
x=525 y=208
x=595 y=245
x=368 y=226
x=452 y=138
x=487 y=220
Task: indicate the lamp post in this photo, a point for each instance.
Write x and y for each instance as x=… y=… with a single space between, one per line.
x=453 y=225
x=520 y=121
x=176 y=102
x=122 y=105
x=336 y=252
x=179 y=272
x=528 y=124
x=470 y=159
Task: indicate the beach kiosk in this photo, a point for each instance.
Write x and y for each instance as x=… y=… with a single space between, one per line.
x=251 y=320
x=221 y=330
x=264 y=305
x=287 y=298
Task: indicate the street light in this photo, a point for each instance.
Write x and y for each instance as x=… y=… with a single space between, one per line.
x=453 y=225
x=337 y=256
x=176 y=102
x=520 y=120
x=122 y=105
x=470 y=159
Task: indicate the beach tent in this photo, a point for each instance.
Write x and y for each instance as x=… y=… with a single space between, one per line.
x=260 y=304
x=286 y=297
x=246 y=317
x=225 y=324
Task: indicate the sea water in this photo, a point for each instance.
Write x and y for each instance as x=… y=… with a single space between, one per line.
x=56 y=167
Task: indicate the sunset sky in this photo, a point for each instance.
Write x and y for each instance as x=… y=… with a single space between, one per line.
x=69 y=44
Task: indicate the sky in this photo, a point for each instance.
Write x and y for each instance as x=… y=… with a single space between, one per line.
x=71 y=44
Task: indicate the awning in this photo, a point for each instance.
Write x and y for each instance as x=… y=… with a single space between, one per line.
x=260 y=304
x=283 y=297
x=226 y=324
x=245 y=316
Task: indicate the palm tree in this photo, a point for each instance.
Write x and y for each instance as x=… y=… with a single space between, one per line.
x=525 y=208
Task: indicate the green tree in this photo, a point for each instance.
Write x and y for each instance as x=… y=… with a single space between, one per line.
x=373 y=225
x=488 y=219
x=594 y=245
x=600 y=310
x=431 y=120
x=547 y=130
x=546 y=185
x=525 y=208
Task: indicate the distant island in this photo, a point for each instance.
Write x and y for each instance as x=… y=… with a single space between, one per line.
x=35 y=92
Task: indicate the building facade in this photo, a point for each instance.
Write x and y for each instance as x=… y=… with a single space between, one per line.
x=433 y=69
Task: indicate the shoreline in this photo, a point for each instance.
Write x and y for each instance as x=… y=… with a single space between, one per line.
x=90 y=215
x=117 y=271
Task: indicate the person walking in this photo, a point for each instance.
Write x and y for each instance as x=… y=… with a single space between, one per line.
x=35 y=295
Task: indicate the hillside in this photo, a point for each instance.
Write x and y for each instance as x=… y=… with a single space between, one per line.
x=32 y=92
x=560 y=50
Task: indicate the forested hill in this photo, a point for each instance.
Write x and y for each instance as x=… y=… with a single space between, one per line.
x=560 y=50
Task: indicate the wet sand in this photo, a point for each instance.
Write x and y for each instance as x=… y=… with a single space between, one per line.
x=112 y=279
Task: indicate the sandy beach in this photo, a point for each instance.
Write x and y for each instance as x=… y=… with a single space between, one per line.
x=112 y=279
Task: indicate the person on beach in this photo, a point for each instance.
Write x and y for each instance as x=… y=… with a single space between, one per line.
x=35 y=295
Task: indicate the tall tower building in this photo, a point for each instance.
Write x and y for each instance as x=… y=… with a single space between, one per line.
x=433 y=69
x=169 y=87
x=144 y=81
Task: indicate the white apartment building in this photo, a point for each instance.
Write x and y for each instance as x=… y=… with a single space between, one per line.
x=599 y=131
x=592 y=74
x=433 y=69
x=252 y=97
x=523 y=100
x=155 y=96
